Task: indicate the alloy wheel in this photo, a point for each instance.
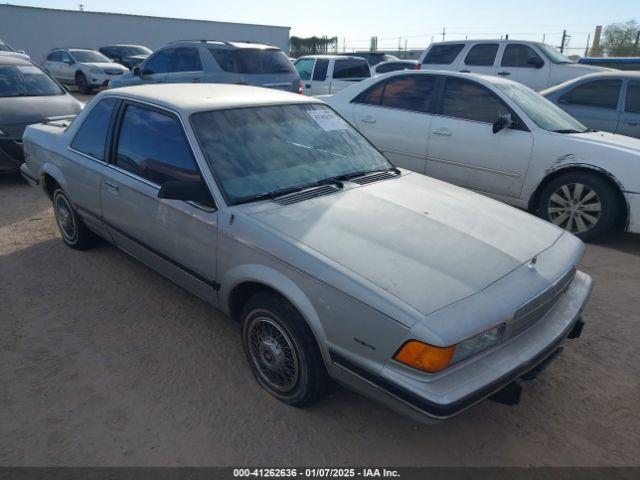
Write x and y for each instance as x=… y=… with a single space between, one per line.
x=65 y=219
x=575 y=207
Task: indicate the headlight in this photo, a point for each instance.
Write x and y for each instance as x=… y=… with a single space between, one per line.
x=95 y=70
x=434 y=359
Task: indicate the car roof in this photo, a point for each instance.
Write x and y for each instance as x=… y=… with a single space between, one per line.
x=332 y=57
x=615 y=74
x=190 y=98
x=234 y=44
x=485 y=40
x=12 y=60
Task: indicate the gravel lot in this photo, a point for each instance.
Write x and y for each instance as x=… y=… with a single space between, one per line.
x=104 y=362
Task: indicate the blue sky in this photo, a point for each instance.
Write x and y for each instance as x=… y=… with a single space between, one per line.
x=417 y=21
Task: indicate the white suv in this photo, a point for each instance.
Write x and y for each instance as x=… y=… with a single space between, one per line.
x=82 y=67
x=534 y=64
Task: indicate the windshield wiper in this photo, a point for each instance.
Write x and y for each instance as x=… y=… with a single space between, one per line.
x=362 y=173
x=569 y=130
x=280 y=192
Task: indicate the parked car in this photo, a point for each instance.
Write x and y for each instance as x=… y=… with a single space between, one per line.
x=8 y=50
x=500 y=138
x=27 y=95
x=603 y=101
x=618 y=63
x=326 y=74
x=211 y=61
x=126 y=55
x=271 y=207
x=82 y=67
x=373 y=58
x=394 y=66
x=534 y=64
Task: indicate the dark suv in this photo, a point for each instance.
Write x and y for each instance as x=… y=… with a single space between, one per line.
x=127 y=55
x=209 y=61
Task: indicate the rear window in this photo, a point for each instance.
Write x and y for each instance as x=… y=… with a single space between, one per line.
x=252 y=61
x=443 y=54
x=92 y=134
x=351 y=68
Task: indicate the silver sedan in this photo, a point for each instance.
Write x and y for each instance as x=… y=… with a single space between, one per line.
x=336 y=264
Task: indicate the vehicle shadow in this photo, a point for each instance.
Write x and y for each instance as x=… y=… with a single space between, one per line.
x=620 y=241
x=19 y=200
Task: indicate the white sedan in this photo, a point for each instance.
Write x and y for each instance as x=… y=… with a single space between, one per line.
x=502 y=139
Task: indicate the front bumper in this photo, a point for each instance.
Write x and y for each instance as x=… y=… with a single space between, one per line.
x=633 y=201
x=450 y=394
x=101 y=80
x=11 y=155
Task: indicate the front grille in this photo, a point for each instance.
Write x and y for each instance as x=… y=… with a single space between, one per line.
x=113 y=72
x=535 y=309
x=374 y=178
x=306 y=195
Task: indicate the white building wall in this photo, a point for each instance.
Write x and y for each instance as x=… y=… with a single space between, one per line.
x=38 y=30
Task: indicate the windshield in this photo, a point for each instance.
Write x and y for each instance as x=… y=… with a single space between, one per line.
x=5 y=47
x=134 y=50
x=26 y=81
x=553 y=54
x=255 y=151
x=89 y=56
x=541 y=111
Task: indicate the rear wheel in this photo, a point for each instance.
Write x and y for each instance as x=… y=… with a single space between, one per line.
x=282 y=351
x=581 y=203
x=74 y=232
x=82 y=83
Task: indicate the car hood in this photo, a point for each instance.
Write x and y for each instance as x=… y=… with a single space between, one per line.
x=621 y=143
x=583 y=68
x=18 y=112
x=426 y=242
x=136 y=58
x=107 y=66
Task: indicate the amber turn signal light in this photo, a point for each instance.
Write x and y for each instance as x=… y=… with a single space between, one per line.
x=425 y=357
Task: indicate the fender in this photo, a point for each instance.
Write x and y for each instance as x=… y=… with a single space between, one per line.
x=52 y=170
x=279 y=282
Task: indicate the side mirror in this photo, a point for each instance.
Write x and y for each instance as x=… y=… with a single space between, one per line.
x=136 y=71
x=535 y=62
x=188 y=191
x=503 y=121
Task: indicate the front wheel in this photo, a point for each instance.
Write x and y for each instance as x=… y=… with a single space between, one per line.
x=282 y=351
x=581 y=203
x=83 y=84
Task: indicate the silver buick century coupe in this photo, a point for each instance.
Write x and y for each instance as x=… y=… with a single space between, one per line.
x=337 y=264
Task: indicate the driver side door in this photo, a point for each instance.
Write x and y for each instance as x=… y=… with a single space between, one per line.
x=463 y=149
x=156 y=68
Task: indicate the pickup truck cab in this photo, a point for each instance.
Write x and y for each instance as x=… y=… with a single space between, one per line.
x=534 y=64
x=327 y=74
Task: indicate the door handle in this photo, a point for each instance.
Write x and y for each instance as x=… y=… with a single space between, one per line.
x=504 y=74
x=112 y=186
x=443 y=132
x=307 y=85
x=368 y=119
x=465 y=71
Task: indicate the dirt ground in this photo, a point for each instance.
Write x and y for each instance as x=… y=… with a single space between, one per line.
x=104 y=362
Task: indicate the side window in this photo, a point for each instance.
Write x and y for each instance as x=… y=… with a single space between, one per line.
x=304 y=68
x=600 y=93
x=482 y=55
x=518 y=55
x=160 y=62
x=187 y=59
x=409 y=93
x=372 y=95
x=65 y=57
x=351 y=68
x=470 y=101
x=152 y=145
x=92 y=134
x=443 y=54
x=632 y=104
x=320 y=72
x=225 y=58
x=54 y=57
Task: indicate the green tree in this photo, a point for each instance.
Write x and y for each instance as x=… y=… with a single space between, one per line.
x=620 y=38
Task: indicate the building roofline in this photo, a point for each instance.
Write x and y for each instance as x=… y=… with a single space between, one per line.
x=85 y=12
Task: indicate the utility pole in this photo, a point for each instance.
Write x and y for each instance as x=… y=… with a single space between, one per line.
x=506 y=37
x=586 y=49
x=444 y=32
x=635 y=45
x=564 y=37
x=544 y=37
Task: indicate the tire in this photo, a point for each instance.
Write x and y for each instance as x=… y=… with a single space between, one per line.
x=74 y=232
x=583 y=203
x=83 y=84
x=282 y=351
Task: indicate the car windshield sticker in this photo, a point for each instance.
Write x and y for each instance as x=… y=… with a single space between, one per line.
x=327 y=120
x=30 y=69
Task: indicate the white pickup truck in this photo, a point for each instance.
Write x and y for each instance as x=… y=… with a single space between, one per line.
x=327 y=74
